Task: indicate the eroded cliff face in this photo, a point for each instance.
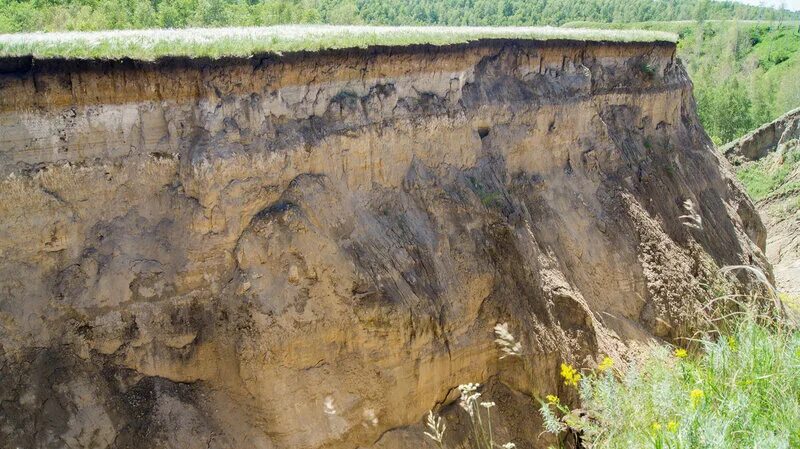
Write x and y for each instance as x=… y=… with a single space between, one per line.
x=202 y=253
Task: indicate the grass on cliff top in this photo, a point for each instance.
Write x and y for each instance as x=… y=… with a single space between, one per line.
x=220 y=42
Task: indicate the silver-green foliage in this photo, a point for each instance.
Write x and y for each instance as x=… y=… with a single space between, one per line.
x=741 y=390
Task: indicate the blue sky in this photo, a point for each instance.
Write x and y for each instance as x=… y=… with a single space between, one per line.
x=790 y=4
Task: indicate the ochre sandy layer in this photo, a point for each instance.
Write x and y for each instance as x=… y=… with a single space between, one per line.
x=202 y=252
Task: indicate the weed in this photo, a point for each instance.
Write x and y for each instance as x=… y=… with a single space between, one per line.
x=670 y=169
x=648 y=70
x=480 y=417
x=691 y=219
x=738 y=389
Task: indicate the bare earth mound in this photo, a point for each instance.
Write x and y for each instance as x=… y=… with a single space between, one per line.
x=311 y=250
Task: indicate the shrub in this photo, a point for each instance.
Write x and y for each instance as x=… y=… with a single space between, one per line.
x=738 y=389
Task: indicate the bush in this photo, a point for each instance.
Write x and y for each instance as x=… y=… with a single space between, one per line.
x=739 y=389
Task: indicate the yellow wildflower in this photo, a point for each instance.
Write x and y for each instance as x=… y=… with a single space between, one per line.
x=566 y=371
x=672 y=426
x=607 y=363
x=570 y=374
x=552 y=399
x=696 y=395
x=655 y=426
x=680 y=353
x=732 y=343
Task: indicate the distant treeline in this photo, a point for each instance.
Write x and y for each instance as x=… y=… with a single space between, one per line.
x=52 y=15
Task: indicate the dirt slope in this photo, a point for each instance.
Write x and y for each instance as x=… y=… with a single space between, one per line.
x=311 y=250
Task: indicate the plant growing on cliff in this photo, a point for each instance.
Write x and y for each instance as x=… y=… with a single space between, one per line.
x=509 y=346
x=436 y=427
x=691 y=219
x=480 y=418
x=739 y=388
x=649 y=72
x=479 y=412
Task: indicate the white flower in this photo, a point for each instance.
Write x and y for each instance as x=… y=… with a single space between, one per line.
x=509 y=446
x=487 y=405
x=467 y=403
x=437 y=427
x=329 y=408
x=467 y=389
x=508 y=344
x=469 y=396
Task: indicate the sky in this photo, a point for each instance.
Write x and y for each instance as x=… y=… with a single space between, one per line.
x=790 y=4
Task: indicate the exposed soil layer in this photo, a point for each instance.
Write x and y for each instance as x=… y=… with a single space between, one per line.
x=215 y=254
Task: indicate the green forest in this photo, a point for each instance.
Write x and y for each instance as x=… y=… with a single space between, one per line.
x=739 y=56
x=744 y=75
x=55 y=15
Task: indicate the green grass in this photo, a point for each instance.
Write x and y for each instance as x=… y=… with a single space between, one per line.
x=746 y=395
x=219 y=42
x=767 y=176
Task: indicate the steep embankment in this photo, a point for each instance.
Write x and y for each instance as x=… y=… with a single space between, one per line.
x=744 y=72
x=311 y=250
x=768 y=163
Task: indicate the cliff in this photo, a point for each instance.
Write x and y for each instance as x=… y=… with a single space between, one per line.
x=310 y=250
